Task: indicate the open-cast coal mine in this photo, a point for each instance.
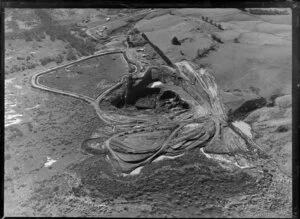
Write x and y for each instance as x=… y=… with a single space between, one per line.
x=154 y=120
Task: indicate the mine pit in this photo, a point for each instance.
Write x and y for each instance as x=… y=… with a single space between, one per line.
x=181 y=112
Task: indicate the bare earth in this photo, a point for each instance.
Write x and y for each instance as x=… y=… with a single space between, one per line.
x=41 y=126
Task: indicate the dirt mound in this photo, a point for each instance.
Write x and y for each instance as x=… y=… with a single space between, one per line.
x=203 y=123
x=170 y=176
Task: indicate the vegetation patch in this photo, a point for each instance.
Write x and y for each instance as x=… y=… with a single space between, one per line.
x=201 y=53
x=52 y=28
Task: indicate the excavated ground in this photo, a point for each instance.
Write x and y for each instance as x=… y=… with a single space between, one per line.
x=188 y=186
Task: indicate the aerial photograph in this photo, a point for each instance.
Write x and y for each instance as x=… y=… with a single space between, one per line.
x=148 y=112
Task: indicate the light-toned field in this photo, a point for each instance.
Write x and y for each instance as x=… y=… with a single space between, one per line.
x=90 y=77
x=256 y=51
x=241 y=66
x=160 y=30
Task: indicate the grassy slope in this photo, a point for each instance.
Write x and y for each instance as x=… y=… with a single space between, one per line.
x=242 y=66
x=260 y=58
x=36 y=50
x=54 y=128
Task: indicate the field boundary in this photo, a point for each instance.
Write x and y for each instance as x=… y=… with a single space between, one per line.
x=94 y=102
x=35 y=78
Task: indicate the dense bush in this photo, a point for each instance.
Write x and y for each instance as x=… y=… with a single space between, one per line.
x=61 y=33
x=46 y=60
x=15 y=68
x=175 y=41
x=35 y=33
x=135 y=40
x=71 y=55
x=82 y=33
x=27 y=36
x=52 y=37
x=38 y=39
x=59 y=59
x=215 y=38
x=30 y=65
x=201 y=53
x=220 y=27
x=42 y=35
x=56 y=31
x=236 y=40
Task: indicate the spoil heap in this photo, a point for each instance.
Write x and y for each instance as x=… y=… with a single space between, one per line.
x=167 y=110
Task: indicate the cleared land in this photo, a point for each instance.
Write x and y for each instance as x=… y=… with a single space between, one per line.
x=90 y=77
x=256 y=49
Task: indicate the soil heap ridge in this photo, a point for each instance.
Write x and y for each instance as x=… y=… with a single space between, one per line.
x=183 y=113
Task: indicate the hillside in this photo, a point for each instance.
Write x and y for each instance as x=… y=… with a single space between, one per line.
x=120 y=112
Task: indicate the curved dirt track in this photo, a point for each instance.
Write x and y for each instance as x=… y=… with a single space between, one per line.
x=35 y=78
x=36 y=84
x=105 y=117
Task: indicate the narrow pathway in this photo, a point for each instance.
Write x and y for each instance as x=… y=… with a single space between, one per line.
x=127 y=121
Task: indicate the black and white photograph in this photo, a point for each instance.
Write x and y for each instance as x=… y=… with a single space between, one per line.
x=148 y=112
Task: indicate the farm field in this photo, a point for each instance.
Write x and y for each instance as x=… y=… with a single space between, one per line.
x=255 y=50
x=89 y=77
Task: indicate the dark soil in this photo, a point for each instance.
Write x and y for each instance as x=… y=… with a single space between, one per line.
x=191 y=185
x=247 y=107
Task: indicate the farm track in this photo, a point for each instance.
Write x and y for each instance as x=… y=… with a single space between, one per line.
x=128 y=122
x=36 y=84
